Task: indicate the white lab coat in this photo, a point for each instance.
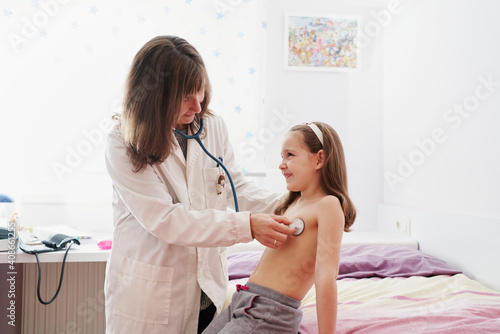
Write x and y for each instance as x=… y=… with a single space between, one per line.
x=170 y=229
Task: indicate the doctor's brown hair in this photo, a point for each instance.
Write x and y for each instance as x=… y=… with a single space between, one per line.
x=333 y=172
x=164 y=71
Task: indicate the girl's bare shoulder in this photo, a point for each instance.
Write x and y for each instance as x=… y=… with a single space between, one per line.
x=330 y=215
x=328 y=208
x=329 y=201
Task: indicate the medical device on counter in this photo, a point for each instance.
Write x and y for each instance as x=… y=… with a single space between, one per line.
x=218 y=162
x=54 y=243
x=299 y=226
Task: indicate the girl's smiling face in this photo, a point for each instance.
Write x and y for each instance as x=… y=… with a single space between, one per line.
x=298 y=164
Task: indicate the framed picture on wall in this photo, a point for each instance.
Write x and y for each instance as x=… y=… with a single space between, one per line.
x=321 y=43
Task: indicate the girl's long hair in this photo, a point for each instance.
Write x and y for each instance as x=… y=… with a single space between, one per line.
x=164 y=71
x=333 y=173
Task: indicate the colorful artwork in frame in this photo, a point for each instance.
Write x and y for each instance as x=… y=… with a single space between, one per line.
x=321 y=43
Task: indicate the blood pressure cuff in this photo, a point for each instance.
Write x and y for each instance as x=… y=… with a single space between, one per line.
x=54 y=243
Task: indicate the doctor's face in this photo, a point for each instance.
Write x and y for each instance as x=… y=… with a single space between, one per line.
x=191 y=105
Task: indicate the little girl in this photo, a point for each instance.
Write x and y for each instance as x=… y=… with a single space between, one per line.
x=314 y=167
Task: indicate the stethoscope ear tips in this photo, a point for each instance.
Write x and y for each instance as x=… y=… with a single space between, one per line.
x=299 y=226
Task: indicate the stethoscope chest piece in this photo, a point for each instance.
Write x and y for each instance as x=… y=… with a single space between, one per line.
x=299 y=226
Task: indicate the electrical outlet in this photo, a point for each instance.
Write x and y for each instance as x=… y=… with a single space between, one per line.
x=403 y=226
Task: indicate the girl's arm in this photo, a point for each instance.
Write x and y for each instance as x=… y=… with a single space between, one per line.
x=330 y=230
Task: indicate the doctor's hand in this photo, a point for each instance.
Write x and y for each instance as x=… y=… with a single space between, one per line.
x=270 y=230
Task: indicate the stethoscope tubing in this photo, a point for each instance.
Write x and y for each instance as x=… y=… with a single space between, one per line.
x=196 y=136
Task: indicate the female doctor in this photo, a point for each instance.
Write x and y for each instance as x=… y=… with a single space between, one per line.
x=167 y=270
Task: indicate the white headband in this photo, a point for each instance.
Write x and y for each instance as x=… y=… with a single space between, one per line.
x=317 y=131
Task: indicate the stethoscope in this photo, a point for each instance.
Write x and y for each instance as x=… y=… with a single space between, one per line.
x=298 y=223
x=196 y=137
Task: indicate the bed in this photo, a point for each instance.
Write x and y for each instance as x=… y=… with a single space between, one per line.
x=393 y=288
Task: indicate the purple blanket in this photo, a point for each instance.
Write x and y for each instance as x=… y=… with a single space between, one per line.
x=361 y=262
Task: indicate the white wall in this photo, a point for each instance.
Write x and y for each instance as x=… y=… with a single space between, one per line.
x=467 y=243
x=437 y=58
x=350 y=102
x=415 y=65
x=72 y=70
x=426 y=59
x=63 y=68
x=441 y=138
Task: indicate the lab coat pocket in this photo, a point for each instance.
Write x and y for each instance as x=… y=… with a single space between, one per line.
x=137 y=284
x=214 y=200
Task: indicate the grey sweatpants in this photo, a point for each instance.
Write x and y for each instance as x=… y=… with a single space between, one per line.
x=258 y=310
